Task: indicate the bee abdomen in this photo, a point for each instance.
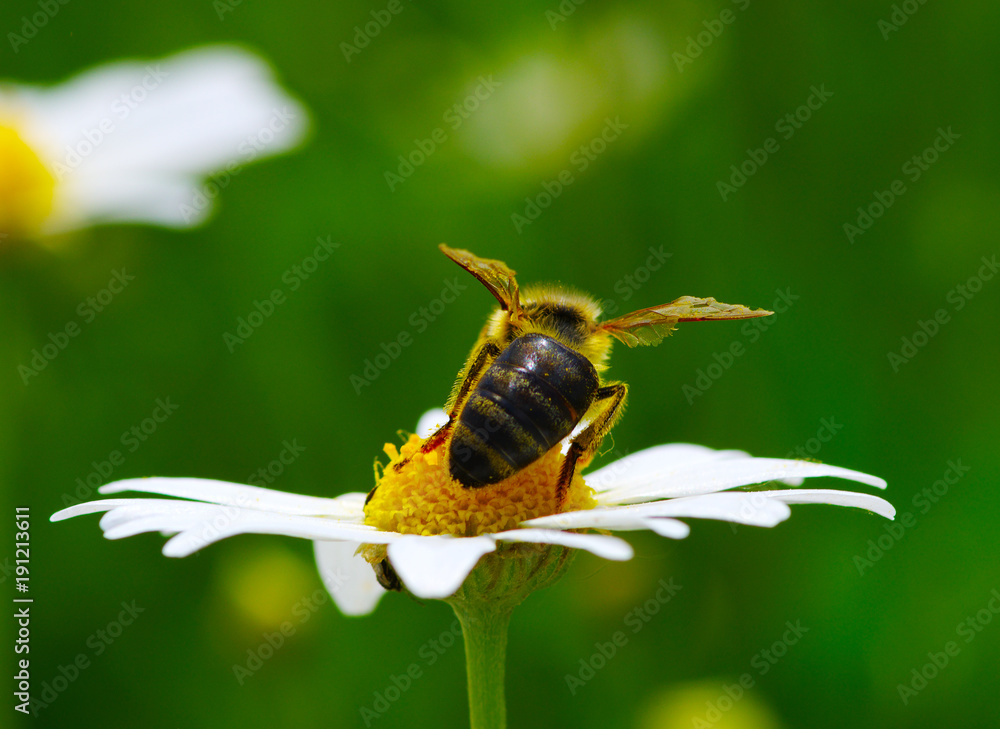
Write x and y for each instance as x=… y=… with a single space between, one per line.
x=528 y=400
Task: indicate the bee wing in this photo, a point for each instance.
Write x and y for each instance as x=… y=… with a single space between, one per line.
x=650 y=326
x=494 y=275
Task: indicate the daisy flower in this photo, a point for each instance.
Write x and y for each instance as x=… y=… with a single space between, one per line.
x=133 y=141
x=483 y=551
x=487 y=503
x=427 y=541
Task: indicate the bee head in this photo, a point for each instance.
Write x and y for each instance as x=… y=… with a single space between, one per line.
x=568 y=316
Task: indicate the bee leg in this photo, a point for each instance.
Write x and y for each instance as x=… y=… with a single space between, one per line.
x=610 y=400
x=436 y=439
x=478 y=362
x=387 y=576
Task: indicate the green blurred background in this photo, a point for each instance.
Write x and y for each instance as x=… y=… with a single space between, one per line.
x=559 y=76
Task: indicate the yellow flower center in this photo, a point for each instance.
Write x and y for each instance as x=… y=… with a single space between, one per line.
x=26 y=186
x=422 y=498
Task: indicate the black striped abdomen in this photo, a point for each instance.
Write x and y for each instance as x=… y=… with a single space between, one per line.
x=529 y=399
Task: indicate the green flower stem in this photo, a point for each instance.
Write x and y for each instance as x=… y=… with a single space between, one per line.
x=484 y=627
x=484 y=603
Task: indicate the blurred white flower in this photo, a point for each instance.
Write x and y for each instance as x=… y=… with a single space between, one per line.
x=649 y=490
x=133 y=141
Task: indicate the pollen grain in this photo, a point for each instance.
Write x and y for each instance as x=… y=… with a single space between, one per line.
x=422 y=498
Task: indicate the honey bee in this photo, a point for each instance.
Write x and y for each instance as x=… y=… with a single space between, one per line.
x=534 y=375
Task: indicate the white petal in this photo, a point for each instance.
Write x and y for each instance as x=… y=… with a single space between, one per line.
x=434 y=567
x=348 y=507
x=621 y=518
x=198 y=524
x=134 y=509
x=247 y=521
x=348 y=576
x=564 y=444
x=742 y=508
x=89 y=507
x=837 y=498
x=430 y=421
x=141 y=127
x=718 y=475
x=603 y=517
x=602 y=545
x=654 y=464
x=150 y=197
x=670 y=528
x=126 y=522
x=192 y=112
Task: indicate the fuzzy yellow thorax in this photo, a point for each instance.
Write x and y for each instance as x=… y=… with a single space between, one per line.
x=422 y=498
x=26 y=186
